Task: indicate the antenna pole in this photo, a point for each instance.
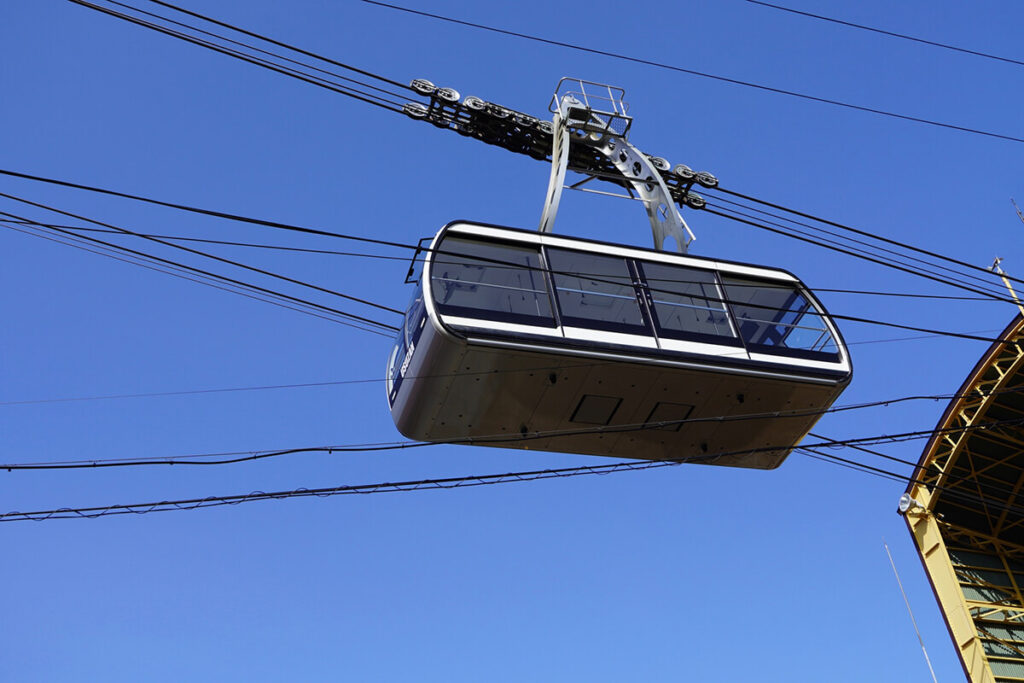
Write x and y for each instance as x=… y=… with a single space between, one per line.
x=912 y=619
x=995 y=268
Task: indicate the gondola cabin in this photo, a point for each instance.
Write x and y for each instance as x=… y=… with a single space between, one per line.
x=529 y=340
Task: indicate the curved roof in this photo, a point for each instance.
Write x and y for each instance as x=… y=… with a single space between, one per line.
x=973 y=465
x=968 y=520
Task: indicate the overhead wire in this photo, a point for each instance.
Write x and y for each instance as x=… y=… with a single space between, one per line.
x=503 y=438
x=89 y=4
x=700 y=74
x=190 y=392
x=344 y=317
x=269 y=53
x=404 y=259
x=865 y=248
x=949 y=490
x=864 y=233
x=475 y=480
x=891 y=34
x=281 y=44
x=361 y=254
x=236 y=28
x=928 y=331
x=313 y=79
x=174 y=272
x=314 y=231
x=196 y=252
x=277 y=225
x=380 y=380
x=732 y=215
x=284 y=226
x=815 y=455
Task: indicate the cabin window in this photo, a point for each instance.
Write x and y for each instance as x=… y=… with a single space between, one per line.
x=490 y=280
x=778 y=318
x=688 y=304
x=595 y=291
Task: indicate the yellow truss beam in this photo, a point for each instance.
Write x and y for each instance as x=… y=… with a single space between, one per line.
x=935 y=556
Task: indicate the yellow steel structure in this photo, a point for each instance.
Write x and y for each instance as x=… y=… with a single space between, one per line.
x=967 y=513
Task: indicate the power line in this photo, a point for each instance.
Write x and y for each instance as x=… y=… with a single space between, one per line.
x=362 y=254
x=375 y=76
x=859 y=319
x=815 y=455
x=314 y=231
x=990 y=288
x=947 y=490
x=291 y=47
x=282 y=44
x=503 y=438
x=936 y=297
x=377 y=380
x=267 y=52
x=77 y=243
x=701 y=74
x=206 y=212
x=282 y=69
x=756 y=224
x=450 y=482
x=189 y=392
x=348 y=318
x=891 y=34
x=331 y=252
x=196 y=252
x=831 y=290
x=864 y=233
x=284 y=226
x=270 y=53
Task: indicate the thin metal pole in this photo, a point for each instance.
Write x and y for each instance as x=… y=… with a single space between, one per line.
x=995 y=268
x=912 y=619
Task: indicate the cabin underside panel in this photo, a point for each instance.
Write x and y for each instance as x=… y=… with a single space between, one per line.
x=547 y=401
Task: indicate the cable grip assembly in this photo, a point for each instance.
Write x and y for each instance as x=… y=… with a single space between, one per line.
x=594 y=116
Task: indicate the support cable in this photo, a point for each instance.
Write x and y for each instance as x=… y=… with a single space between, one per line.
x=281 y=44
x=349 y=316
x=268 y=52
x=445 y=483
x=284 y=226
x=908 y=260
x=863 y=233
x=29 y=229
x=841 y=250
x=891 y=34
x=700 y=74
x=196 y=252
x=344 y=90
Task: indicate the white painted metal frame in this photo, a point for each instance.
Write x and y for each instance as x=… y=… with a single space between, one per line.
x=640 y=342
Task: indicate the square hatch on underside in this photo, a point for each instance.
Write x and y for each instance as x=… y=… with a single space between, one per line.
x=669 y=412
x=595 y=410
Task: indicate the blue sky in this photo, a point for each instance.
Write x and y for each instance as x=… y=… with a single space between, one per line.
x=681 y=573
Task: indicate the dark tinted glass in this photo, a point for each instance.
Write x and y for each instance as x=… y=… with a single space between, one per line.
x=688 y=303
x=595 y=291
x=490 y=280
x=778 y=317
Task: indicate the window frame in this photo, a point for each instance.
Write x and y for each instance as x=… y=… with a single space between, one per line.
x=812 y=308
x=489 y=314
x=645 y=329
x=733 y=339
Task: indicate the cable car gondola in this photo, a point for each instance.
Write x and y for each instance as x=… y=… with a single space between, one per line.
x=522 y=339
